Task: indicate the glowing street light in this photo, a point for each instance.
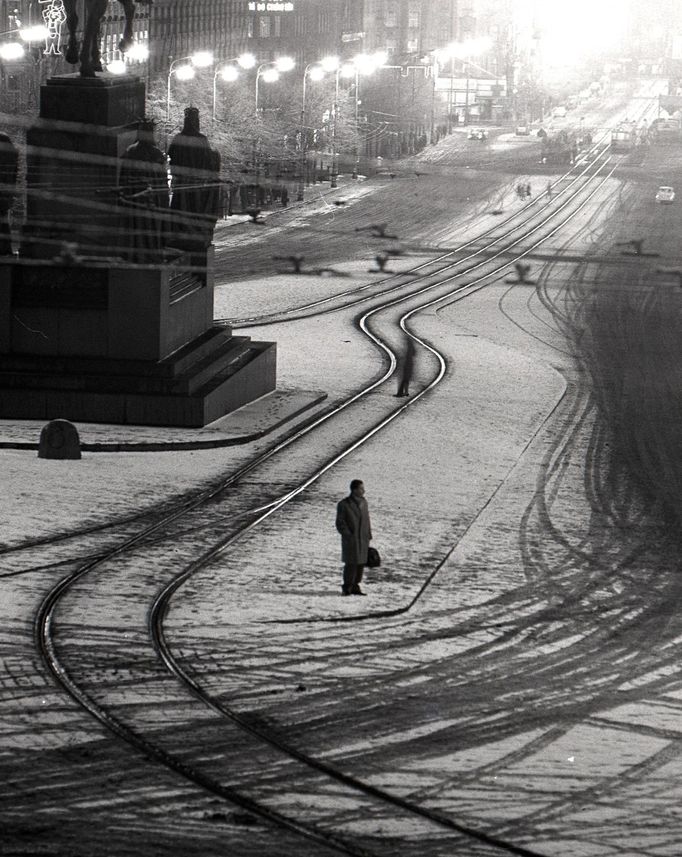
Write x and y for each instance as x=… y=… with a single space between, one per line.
x=202 y=59
x=330 y=63
x=463 y=51
x=117 y=67
x=272 y=71
x=186 y=71
x=229 y=72
x=12 y=51
x=15 y=50
x=284 y=64
x=137 y=53
x=34 y=34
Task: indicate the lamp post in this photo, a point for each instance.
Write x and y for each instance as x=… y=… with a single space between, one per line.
x=272 y=72
x=316 y=72
x=200 y=59
x=464 y=51
x=361 y=64
x=230 y=72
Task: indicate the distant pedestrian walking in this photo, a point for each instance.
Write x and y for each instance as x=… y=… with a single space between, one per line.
x=407 y=370
x=529 y=191
x=352 y=521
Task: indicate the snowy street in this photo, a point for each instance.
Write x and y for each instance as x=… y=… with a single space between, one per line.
x=509 y=684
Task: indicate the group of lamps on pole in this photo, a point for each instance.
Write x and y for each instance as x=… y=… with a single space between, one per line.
x=463 y=51
x=362 y=64
x=270 y=72
x=228 y=70
x=185 y=69
x=15 y=50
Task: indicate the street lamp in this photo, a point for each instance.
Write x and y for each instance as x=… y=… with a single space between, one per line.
x=229 y=72
x=272 y=71
x=463 y=51
x=314 y=71
x=362 y=64
x=200 y=59
x=15 y=50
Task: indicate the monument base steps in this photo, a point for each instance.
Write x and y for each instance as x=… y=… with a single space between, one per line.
x=209 y=377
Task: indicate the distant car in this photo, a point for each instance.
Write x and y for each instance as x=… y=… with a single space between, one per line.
x=477 y=134
x=522 y=131
x=665 y=194
x=559 y=112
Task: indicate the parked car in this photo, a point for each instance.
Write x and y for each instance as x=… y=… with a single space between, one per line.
x=522 y=131
x=559 y=112
x=665 y=194
x=477 y=134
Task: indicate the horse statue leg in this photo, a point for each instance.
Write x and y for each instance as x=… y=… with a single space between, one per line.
x=127 y=39
x=71 y=24
x=90 y=55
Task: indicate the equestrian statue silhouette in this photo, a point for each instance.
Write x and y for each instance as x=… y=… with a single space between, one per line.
x=89 y=55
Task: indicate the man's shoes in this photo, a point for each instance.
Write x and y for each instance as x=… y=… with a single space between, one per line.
x=357 y=591
x=345 y=590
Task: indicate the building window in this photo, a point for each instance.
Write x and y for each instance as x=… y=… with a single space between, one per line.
x=264 y=27
x=413 y=46
x=277 y=26
x=391 y=45
x=413 y=19
x=249 y=28
x=391 y=15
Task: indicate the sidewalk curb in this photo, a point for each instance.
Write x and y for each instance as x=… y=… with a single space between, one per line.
x=179 y=445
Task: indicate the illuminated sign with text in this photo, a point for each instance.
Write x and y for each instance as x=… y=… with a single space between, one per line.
x=271 y=6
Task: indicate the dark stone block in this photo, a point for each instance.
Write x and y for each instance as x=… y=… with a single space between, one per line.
x=59 y=439
x=106 y=100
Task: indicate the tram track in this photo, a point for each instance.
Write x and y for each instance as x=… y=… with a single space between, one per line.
x=422 y=279
x=44 y=624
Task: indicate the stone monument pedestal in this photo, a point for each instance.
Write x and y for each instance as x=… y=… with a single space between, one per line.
x=86 y=334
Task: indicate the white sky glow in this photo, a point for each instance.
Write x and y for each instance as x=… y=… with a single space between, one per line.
x=573 y=30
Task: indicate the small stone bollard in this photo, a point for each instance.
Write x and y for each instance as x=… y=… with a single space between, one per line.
x=59 y=439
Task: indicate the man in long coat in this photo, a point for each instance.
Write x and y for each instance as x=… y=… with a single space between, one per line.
x=195 y=170
x=143 y=189
x=352 y=521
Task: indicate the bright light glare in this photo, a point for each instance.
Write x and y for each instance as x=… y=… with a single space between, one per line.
x=117 y=67
x=11 y=51
x=364 y=63
x=247 y=60
x=329 y=63
x=284 y=64
x=185 y=72
x=380 y=57
x=34 y=34
x=316 y=73
x=138 y=52
x=566 y=38
x=229 y=73
x=467 y=48
x=201 y=59
x=270 y=75
x=348 y=70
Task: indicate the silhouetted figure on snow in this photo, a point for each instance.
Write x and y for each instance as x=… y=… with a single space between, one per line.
x=407 y=370
x=195 y=169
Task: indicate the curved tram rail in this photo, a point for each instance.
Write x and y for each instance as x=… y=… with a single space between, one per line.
x=46 y=617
